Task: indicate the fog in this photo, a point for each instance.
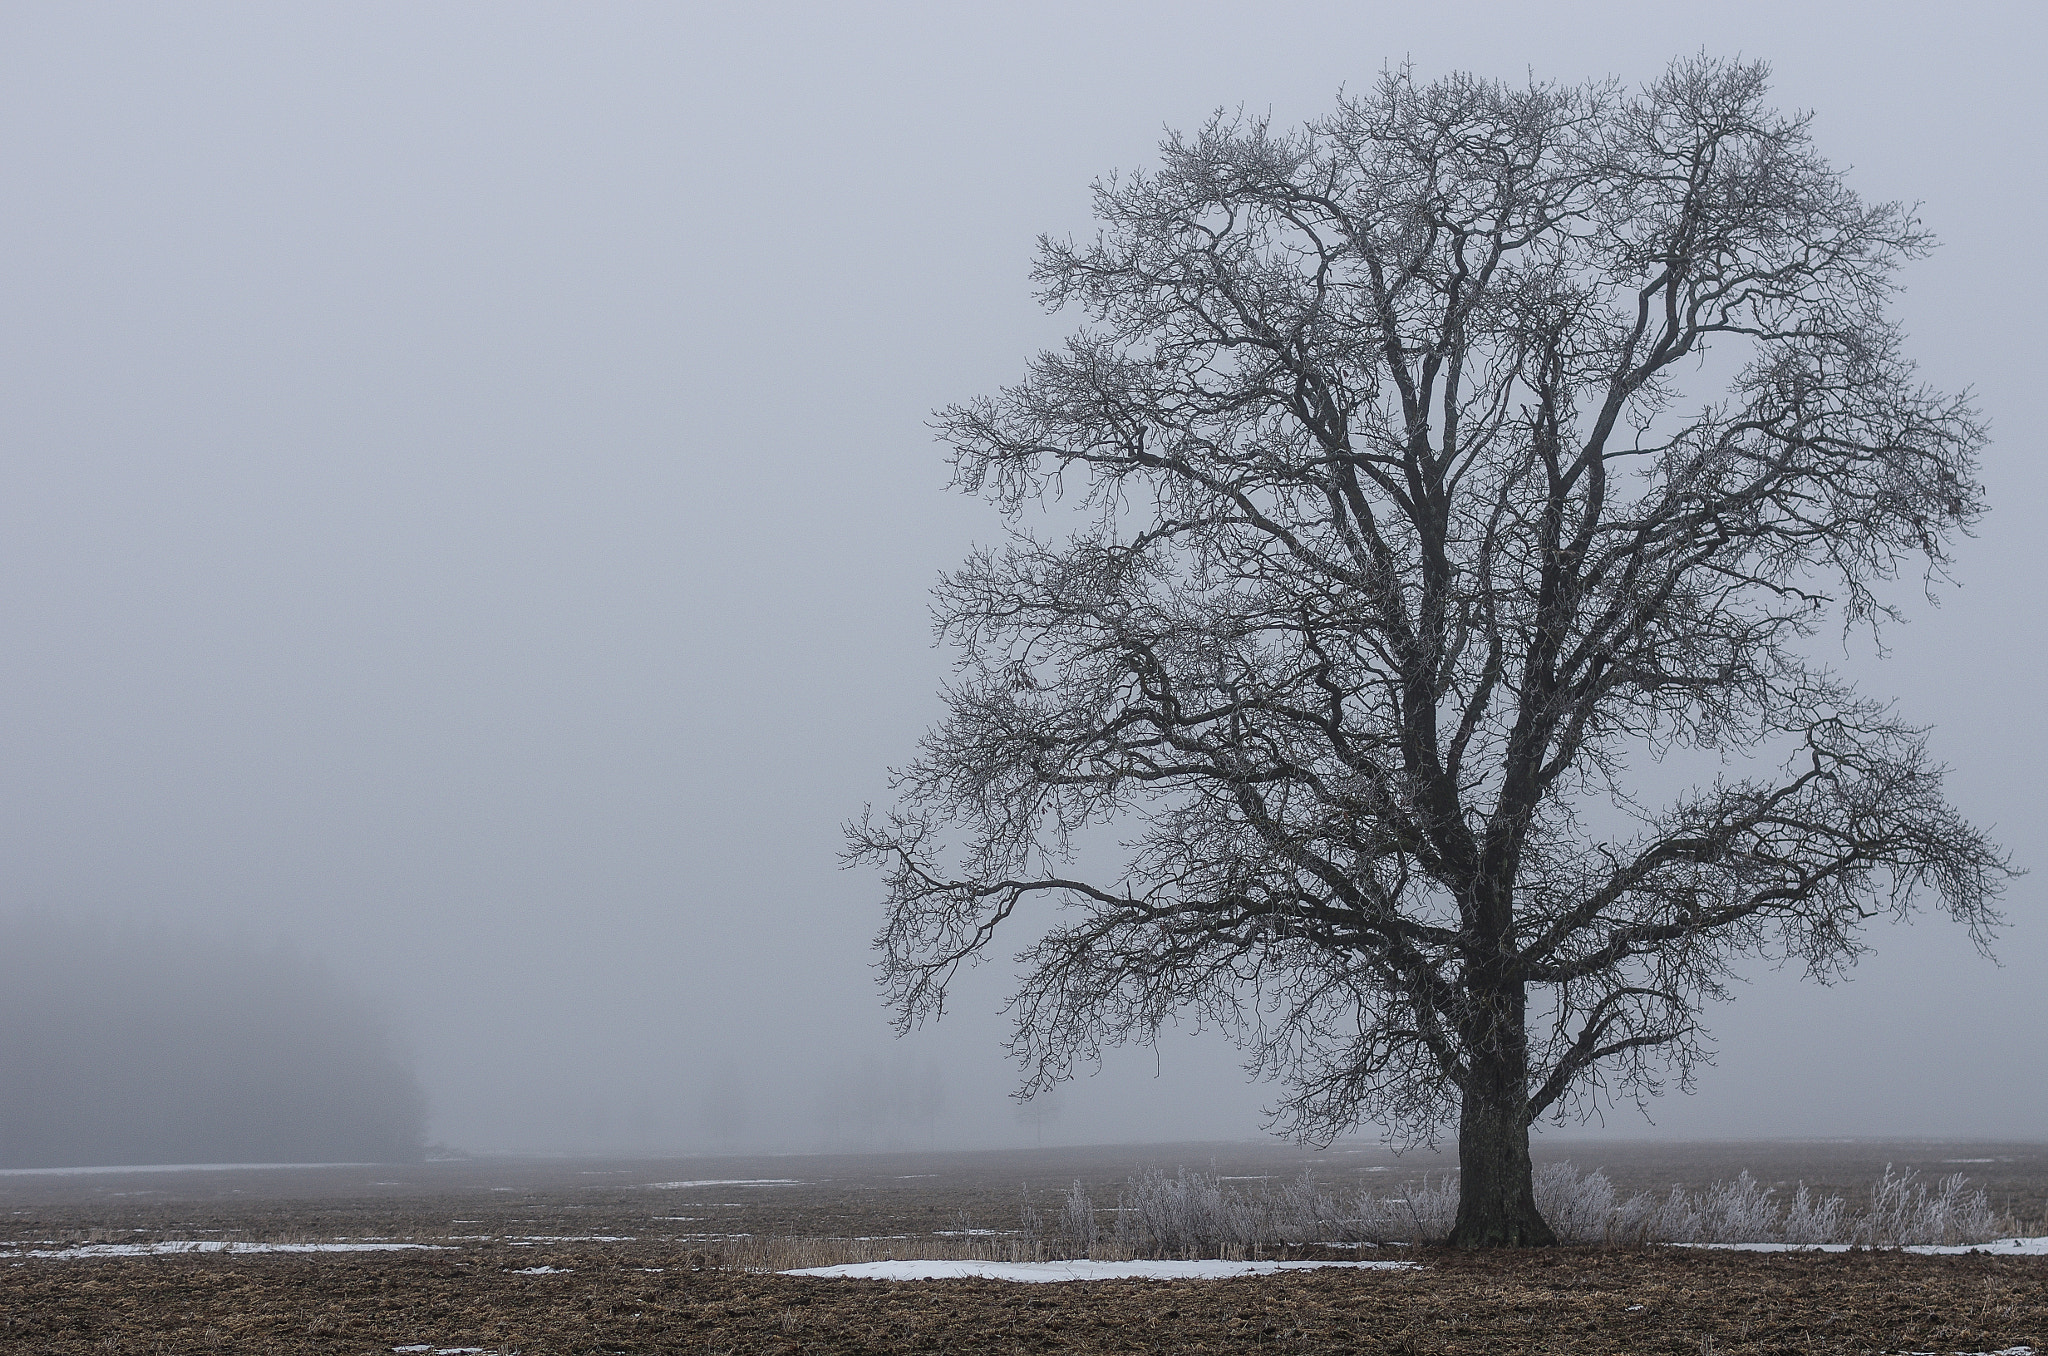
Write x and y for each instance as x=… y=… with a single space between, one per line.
x=467 y=513
x=139 y=1045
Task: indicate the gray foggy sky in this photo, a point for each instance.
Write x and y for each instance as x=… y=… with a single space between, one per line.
x=466 y=511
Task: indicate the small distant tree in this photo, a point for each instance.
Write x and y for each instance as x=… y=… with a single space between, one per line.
x=1403 y=538
x=1039 y=1110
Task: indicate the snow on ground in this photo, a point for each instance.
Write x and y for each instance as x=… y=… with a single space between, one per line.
x=1073 y=1271
x=2004 y=1247
x=722 y=1181
x=171 y=1246
x=1216 y=1270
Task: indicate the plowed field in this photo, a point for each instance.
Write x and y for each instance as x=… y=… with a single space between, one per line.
x=609 y=1257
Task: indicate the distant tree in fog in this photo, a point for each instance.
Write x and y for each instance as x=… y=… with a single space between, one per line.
x=1413 y=520
x=1040 y=1110
x=879 y=1104
x=133 y=1047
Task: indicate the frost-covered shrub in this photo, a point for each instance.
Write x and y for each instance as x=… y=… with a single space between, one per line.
x=1196 y=1214
x=1424 y=1214
x=1077 y=1222
x=1184 y=1215
x=1904 y=1212
x=1812 y=1221
x=1191 y=1214
x=1739 y=1212
x=1578 y=1209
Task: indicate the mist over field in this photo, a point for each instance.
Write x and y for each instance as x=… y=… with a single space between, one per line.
x=147 y=1045
x=468 y=515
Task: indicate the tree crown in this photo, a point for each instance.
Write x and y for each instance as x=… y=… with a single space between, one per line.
x=1400 y=535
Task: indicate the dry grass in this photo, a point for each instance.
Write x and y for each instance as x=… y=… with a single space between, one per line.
x=693 y=1271
x=1200 y=1215
x=1197 y=1215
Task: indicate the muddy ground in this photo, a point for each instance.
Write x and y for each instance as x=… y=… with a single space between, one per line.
x=520 y=1264
x=600 y=1299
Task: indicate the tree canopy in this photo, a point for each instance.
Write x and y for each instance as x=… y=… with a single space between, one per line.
x=1430 y=469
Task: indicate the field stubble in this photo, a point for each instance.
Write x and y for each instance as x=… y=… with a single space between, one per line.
x=564 y=1255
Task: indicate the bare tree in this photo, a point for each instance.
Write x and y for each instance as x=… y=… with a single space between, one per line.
x=1400 y=538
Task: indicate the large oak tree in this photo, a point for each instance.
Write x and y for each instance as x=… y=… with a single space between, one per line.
x=1434 y=468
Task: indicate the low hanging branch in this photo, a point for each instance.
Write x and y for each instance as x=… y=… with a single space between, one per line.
x=1398 y=538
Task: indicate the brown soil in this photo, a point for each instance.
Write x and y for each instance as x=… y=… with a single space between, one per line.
x=604 y=1301
x=663 y=1289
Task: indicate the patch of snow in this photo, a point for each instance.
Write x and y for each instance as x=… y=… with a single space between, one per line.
x=722 y=1181
x=1074 y=1271
x=441 y=1351
x=526 y=1239
x=172 y=1247
x=967 y=1233
x=543 y=1271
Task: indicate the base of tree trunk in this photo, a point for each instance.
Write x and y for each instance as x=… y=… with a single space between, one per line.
x=1528 y=1231
x=1496 y=1179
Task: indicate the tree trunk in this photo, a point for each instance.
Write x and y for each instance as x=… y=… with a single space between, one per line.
x=1496 y=1192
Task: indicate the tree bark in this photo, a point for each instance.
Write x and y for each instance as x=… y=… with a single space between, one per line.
x=1496 y=1188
